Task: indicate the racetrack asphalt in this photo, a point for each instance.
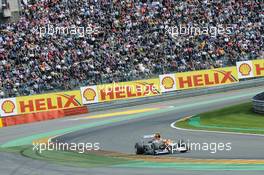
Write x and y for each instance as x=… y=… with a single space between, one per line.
x=121 y=136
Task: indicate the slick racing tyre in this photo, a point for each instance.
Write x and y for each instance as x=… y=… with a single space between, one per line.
x=139 y=148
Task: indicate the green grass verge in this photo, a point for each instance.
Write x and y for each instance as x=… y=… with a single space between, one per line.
x=238 y=118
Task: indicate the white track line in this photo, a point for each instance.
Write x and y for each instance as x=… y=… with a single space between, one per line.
x=172 y=125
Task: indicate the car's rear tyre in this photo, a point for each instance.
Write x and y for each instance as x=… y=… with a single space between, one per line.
x=139 y=148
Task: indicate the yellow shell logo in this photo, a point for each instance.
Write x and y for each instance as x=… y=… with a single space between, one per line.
x=167 y=82
x=244 y=69
x=8 y=106
x=89 y=94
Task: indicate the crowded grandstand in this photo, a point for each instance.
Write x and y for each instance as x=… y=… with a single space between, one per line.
x=64 y=44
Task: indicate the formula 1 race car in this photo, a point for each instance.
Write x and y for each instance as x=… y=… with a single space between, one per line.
x=154 y=145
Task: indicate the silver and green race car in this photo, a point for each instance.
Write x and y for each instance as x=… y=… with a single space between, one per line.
x=149 y=145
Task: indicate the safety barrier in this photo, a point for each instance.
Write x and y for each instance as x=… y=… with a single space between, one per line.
x=175 y=95
x=258 y=103
x=41 y=116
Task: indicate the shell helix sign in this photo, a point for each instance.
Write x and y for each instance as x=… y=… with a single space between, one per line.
x=167 y=82
x=119 y=91
x=206 y=78
x=48 y=102
x=249 y=69
x=198 y=79
x=40 y=103
x=89 y=94
x=8 y=107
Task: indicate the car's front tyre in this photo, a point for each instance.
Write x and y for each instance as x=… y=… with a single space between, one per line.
x=139 y=148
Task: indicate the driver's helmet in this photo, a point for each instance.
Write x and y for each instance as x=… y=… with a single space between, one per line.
x=157 y=135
